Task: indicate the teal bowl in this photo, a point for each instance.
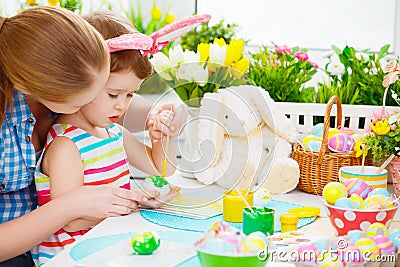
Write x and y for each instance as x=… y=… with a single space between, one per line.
x=214 y=260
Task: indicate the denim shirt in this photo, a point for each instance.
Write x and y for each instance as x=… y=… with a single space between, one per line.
x=17 y=161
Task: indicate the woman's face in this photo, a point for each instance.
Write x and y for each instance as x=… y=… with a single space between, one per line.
x=77 y=101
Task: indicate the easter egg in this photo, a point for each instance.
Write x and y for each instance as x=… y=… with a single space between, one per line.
x=329 y=260
x=332 y=132
x=395 y=237
x=385 y=244
x=255 y=241
x=341 y=143
x=315 y=146
x=318 y=130
x=376 y=228
x=346 y=130
x=378 y=202
x=261 y=197
x=308 y=253
x=233 y=239
x=355 y=235
x=367 y=245
x=357 y=186
x=306 y=140
x=356 y=198
x=379 y=191
x=333 y=191
x=350 y=254
x=345 y=203
x=145 y=243
x=158 y=184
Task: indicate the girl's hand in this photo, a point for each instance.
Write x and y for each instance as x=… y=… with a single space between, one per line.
x=178 y=121
x=157 y=202
x=162 y=125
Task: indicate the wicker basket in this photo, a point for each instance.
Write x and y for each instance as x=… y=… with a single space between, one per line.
x=319 y=168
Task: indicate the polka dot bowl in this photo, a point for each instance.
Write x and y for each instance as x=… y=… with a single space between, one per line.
x=344 y=220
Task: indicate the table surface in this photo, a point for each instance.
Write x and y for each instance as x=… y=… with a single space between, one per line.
x=135 y=223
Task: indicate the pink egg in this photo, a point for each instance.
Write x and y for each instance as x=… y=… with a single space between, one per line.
x=357 y=186
x=341 y=143
x=308 y=253
x=385 y=244
x=350 y=253
x=346 y=130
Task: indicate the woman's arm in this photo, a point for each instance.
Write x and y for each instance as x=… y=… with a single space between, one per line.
x=90 y=202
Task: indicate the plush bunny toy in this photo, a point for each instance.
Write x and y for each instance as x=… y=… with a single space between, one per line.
x=245 y=141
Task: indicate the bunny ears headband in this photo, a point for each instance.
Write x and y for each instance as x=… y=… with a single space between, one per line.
x=149 y=45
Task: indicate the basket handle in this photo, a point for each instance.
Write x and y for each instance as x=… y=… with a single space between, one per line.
x=327 y=120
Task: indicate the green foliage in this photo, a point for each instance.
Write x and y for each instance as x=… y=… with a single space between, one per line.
x=283 y=75
x=206 y=34
x=357 y=78
x=73 y=5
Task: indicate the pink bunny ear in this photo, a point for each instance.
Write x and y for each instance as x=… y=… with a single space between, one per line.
x=130 y=41
x=163 y=36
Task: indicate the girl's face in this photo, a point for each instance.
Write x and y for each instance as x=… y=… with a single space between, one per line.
x=78 y=101
x=113 y=101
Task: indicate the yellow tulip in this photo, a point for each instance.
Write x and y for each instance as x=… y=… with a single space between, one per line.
x=381 y=127
x=204 y=50
x=219 y=41
x=242 y=65
x=169 y=18
x=234 y=51
x=156 y=13
x=52 y=2
x=30 y=2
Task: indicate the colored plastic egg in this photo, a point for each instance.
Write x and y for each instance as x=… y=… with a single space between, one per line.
x=346 y=130
x=355 y=235
x=352 y=254
x=341 y=143
x=145 y=243
x=357 y=186
x=261 y=197
x=308 y=253
x=385 y=244
x=318 y=129
x=378 y=202
x=376 y=228
x=315 y=146
x=356 y=198
x=255 y=241
x=395 y=237
x=379 y=191
x=332 y=132
x=333 y=191
x=158 y=184
x=346 y=203
x=329 y=260
x=306 y=140
x=368 y=247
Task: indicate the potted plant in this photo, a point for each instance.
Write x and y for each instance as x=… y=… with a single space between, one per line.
x=283 y=71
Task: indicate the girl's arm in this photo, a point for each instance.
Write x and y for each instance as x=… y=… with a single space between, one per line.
x=91 y=202
x=149 y=159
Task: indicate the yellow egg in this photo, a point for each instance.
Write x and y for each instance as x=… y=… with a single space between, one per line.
x=356 y=198
x=333 y=191
x=332 y=132
x=255 y=242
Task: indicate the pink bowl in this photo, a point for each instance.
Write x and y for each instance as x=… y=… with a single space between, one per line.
x=344 y=220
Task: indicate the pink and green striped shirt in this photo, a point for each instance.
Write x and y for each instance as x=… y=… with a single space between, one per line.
x=104 y=162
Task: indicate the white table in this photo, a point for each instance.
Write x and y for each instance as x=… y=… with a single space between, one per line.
x=135 y=223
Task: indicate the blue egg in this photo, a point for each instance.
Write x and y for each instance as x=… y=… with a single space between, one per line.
x=315 y=146
x=318 y=129
x=395 y=237
x=379 y=191
x=344 y=203
x=354 y=235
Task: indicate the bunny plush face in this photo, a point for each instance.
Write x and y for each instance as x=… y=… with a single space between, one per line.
x=236 y=115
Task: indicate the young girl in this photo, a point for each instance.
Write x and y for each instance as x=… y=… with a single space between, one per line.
x=88 y=148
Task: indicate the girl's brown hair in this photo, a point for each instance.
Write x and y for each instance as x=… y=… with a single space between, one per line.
x=111 y=25
x=50 y=52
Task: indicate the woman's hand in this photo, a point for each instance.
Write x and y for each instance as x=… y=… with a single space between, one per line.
x=101 y=201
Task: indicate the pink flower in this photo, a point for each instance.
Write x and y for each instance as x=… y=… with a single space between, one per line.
x=393 y=127
x=302 y=56
x=314 y=64
x=284 y=49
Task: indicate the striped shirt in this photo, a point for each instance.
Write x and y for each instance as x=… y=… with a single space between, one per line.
x=17 y=160
x=104 y=162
